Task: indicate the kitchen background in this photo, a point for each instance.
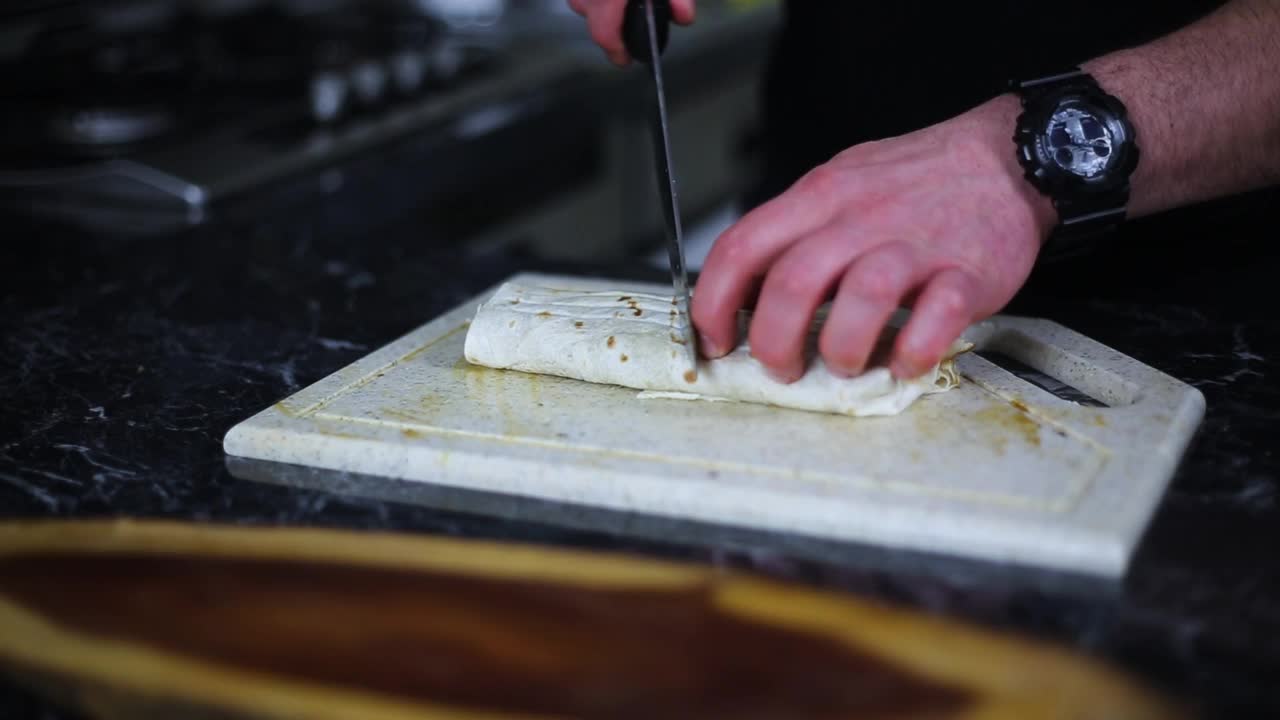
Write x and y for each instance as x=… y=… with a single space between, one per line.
x=497 y=122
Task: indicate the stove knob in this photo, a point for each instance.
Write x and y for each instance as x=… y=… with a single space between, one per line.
x=328 y=96
x=369 y=80
x=408 y=69
x=446 y=61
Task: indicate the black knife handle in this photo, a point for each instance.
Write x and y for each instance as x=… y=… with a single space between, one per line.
x=635 y=34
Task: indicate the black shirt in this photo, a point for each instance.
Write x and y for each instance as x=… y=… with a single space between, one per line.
x=844 y=71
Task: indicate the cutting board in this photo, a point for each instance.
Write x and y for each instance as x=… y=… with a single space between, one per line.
x=998 y=469
x=151 y=619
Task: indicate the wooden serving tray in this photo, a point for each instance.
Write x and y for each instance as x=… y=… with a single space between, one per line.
x=165 y=620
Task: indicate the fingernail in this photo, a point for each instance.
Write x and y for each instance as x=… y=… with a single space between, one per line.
x=784 y=378
x=842 y=372
x=709 y=348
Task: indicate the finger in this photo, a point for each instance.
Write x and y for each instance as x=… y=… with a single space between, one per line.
x=946 y=307
x=798 y=282
x=872 y=289
x=578 y=6
x=604 y=21
x=683 y=11
x=742 y=253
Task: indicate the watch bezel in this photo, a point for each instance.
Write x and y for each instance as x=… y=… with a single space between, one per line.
x=1050 y=178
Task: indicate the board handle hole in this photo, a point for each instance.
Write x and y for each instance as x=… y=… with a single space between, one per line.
x=1056 y=372
x=1048 y=383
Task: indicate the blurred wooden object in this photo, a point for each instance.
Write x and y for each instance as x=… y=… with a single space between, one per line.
x=156 y=619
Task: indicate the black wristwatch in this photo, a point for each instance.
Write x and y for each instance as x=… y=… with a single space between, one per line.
x=1077 y=146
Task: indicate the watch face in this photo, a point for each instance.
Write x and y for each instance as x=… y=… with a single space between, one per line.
x=1081 y=140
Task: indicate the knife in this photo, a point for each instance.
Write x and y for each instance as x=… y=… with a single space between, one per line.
x=645 y=30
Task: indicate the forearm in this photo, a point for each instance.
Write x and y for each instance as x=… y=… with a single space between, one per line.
x=1205 y=102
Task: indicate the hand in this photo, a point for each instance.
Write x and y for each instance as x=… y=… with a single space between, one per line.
x=940 y=220
x=604 y=19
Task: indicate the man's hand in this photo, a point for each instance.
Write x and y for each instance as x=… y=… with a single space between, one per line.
x=940 y=219
x=604 y=20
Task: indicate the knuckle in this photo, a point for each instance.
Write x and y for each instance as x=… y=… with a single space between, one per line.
x=821 y=179
x=791 y=282
x=878 y=281
x=732 y=244
x=950 y=300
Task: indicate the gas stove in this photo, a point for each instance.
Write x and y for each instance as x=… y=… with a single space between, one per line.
x=151 y=116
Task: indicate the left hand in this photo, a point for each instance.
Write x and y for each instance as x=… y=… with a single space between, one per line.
x=940 y=220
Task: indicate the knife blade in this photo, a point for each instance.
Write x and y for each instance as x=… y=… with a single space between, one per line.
x=645 y=32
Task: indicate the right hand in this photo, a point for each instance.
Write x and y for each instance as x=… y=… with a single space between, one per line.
x=604 y=20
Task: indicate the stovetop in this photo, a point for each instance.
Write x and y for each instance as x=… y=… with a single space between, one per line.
x=150 y=114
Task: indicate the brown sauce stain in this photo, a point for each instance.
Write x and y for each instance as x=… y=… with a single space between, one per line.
x=1009 y=419
x=515 y=302
x=1020 y=405
x=410 y=433
x=498 y=645
x=544 y=314
x=624 y=358
x=611 y=341
x=637 y=312
x=678 y=340
x=624 y=298
x=690 y=376
x=577 y=323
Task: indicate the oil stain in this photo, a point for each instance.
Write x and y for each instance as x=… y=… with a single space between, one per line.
x=1013 y=418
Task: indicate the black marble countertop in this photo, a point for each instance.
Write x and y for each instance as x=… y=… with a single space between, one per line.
x=124 y=362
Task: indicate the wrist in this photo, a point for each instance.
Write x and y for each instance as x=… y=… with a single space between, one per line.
x=993 y=122
x=1120 y=73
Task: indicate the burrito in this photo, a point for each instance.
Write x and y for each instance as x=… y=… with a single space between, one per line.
x=634 y=340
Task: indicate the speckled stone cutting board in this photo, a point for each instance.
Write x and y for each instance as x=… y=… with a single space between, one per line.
x=997 y=469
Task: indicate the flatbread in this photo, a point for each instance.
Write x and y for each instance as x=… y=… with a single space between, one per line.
x=634 y=340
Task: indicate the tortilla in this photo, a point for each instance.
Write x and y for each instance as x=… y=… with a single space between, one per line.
x=634 y=340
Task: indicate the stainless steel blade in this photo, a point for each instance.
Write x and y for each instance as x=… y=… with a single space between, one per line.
x=670 y=196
